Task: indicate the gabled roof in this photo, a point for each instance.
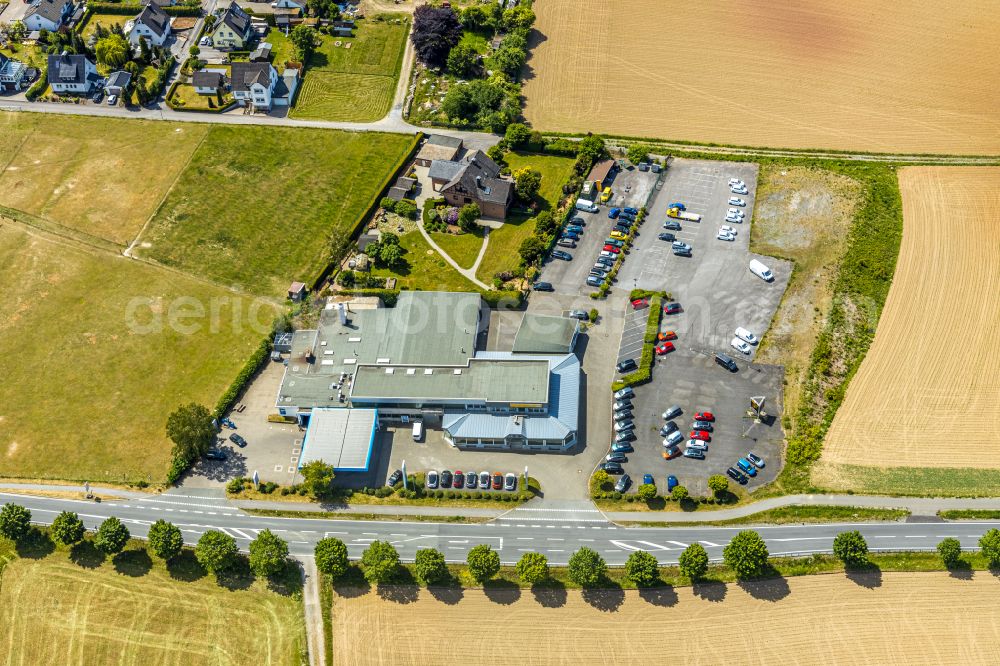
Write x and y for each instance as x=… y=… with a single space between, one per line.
x=155 y=19
x=204 y=79
x=480 y=175
x=67 y=68
x=119 y=79
x=237 y=19
x=50 y=9
x=245 y=74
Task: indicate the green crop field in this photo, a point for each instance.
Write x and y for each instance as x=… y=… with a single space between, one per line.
x=355 y=83
x=258 y=208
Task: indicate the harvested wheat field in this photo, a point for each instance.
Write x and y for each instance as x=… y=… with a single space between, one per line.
x=898 y=618
x=931 y=373
x=857 y=75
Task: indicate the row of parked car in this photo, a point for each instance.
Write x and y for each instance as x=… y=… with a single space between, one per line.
x=467 y=480
x=623 y=219
x=745 y=468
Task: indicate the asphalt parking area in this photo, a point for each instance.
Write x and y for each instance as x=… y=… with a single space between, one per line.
x=633 y=333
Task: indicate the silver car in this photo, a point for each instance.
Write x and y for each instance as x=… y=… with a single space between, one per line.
x=697 y=445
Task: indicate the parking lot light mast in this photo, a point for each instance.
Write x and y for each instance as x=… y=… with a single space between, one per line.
x=406 y=485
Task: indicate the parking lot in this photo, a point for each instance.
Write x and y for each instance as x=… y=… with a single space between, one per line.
x=718 y=294
x=633 y=333
x=631 y=188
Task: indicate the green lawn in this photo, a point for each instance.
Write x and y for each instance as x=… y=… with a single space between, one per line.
x=423 y=268
x=33 y=56
x=76 y=607
x=356 y=83
x=106 y=20
x=476 y=40
x=282 y=49
x=258 y=208
x=102 y=349
x=463 y=248
x=186 y=97
x=501 y=255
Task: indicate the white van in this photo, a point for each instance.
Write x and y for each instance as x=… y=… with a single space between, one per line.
x=418 y=431
x=588 y=206
x=761 y=271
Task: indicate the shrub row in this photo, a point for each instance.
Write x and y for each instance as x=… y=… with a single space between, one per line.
x=643 y=374
x=249 y=369
x=126 y=9
x=37 y=87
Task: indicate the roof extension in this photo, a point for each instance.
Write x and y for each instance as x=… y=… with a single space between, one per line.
x=483 y=380
x=340 y=437
x=545 y=334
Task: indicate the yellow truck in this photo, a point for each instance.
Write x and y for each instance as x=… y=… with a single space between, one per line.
x=679 y=214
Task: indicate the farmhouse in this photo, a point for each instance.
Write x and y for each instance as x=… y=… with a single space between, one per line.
x=473 y=179
x=48 y=15
x=438 y=147
x=151 y=23
x=13 y=74
x=233 y=29
x=71 y=73
x=419 y=360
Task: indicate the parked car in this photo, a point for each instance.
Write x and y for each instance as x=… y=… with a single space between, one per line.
x=682 y=250
x=621 y=447
x=215 y=454
x=578 y=220
x=668 y=428
x=237 y=440
x=559 y=254
x=671 y=308
x=98 y=96
x=672 y=225
x=737 y=476
x=575 y=229
x=726 y=362
x=694 y=453
x=671 y=482
x=395 y=478
x=612 y=468
x=625 y=436
x=746 y=467
x=623 y=483
x=756 y=460
x=598 y=271
x=628 y=217
x=623 y=414
x=728 y=229
x=734 y=220
x=666 y=335
x=614 y=212
x=510 y=481
x=736 y=201
x=543 y=286
x=446 y=478
x=622 y=228
x=610 y=255
x=640 y=303
x=628 y=365
x=622 y=404
x=624 y=393
x=579 y=314
x=664 y=348
x=736 y=212
x=484 y=480
x=614 y=241
x=612 y=249
x=704 y=416
x=566 y=242
x=470 y=481
x=594 y=281
x=739 y=345
x=725 y=236
x=697 y=444
x=606 y=261
x=700 y=434
x=648 y=479
x=671 y=452
x=616 y=456
x=673 y=411
x=702 y=425
x=606 y=195
x=666 y=237
x=497 y=481
x=630 y=211
x=569 y=235
x=459 y=480
x=747 y=336
x=673 y=438
x=622 y=426
x=432 y=479
x=739 y=190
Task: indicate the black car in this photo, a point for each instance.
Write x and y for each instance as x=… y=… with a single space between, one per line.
x=672 y=225
x=237 y=440
x=623 y=483
x=682 y=252
x=578 y=220
x=470 y=481
x=543 y=286
x=625 y=436
x=628 y=365
x=98 y=96
x=737 y=475
x=622 y=228
x=215 y=454
x=606 y=261
x=612 y=468
x=617 y=457
x=394 y=478
x=446 y=479
x=626 y=216
x=559 y=254
x=668 y=428
x=726 y=362
x=667 y=237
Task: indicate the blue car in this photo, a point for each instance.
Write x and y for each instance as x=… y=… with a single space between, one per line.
x=671 y=482
x=630 y=211
x=648 y=478
x=621 y=447
x=678 y=205
x=627 y=217
x=572 y=235
x=747 y=468
x=575 y=229
x=613 y=213
x=594 y=281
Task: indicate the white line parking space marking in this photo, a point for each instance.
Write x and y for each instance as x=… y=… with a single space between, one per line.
x=709 y=544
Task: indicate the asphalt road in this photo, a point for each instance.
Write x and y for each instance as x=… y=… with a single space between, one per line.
x=541 y=530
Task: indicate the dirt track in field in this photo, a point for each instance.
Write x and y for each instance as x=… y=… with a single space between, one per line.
x=928 y=391
x=856 y=75
x=893 y=618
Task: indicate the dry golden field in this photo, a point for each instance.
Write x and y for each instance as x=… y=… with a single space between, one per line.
x=901 y=618
x=910 y=76
x=929 y=384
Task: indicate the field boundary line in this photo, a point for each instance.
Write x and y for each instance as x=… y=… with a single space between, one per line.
x=72 y=236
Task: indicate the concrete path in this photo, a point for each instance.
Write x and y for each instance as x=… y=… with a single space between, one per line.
x=315 y=638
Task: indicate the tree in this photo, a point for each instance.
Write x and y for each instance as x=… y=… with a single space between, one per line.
x=467 y=216
x=388 y=203
x=429 y=566
x=216 y=551
x=586 y=567
x=718 y=484
x=517 y=134
x=545 y=224
x=508 y=60
x=303 y=38
x=746 y=554
x=475 y=18
x=67 y=528
x=17 y=31
x=462 y=61
x=518 y=17
x=601 y=480
x=637 y=153
x=531 y=249
x=191 y=430
x=380 y=561
x=390 y=255
x=694 y=561
x=194 y=51
x=950 y=551
x=15 y=521
x=458 y=104
x=483 y=562
x=646 y=492
x=268 y=554
x=851 y=548
x=331 y=557
x=680 y=493
x=526 y=183
x=112 y=51
x=112 y=536
x=406 y=209
x=642 y=568
x=317 y=477
x=145 y=55
x=324 y=9
x=165 y=540
x=532 y=568
x=990 y=544
x=435 y=31
x=589 y=150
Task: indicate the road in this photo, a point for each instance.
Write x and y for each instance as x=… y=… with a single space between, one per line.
x=551 y=532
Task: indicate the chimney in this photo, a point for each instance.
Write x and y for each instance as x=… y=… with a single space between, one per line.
x=342 y=313
x=479 y=182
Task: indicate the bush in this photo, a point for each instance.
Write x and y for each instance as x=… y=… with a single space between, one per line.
x=429 y=566
x=532 y=568
x=647 y=492
x=111 y=536
x=950 y=551
x=407 y=209
x=746 y=554
x=718 y=484
x=483 y=563
x=380 y=561
x=851 y=548
x=37 y=87
x=586 y=567
x=67 y=528
x=388 y=203
x=235 y=486
x=15 y=521
x=331 y=557
x=642 y=568
x=694 y=561
x=990 y=544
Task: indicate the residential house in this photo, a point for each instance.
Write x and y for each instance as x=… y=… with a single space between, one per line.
x=13 y=74
x=262 y=53
x=438 y=147
x=118 y=83
x=159 y=3
x=343 y=28
x=151 y=23
x=299 y=5
x=207 y=82
x=258 y=85
x=233 y=29
x=71 y=73
x=48 y=15
x=473 y=179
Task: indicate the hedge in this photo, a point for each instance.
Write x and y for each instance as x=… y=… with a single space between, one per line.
x=429 y=206
x=250 y=368
x=508 y=299
x=37 y=87
x=126 y=9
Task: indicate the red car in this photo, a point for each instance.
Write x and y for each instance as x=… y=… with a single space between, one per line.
x=666 y=335
x=612 y=249
x=459 y=480
x=671 y=308
x=664 y=348
x=704 y=416
x=497 y=481
x=640 y=303
x=700 y=434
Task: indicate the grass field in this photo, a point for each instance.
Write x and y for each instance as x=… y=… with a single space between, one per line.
x=463 y=248
x=423 y=268
x=132 y=610
x=258 y=207
x=86 y=394
x=92 y=175
x=859 y=76
x=501 y=255
x=891 y=618
x=356 y=83
x=945 y=290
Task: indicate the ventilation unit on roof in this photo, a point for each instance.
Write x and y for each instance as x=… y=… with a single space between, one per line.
x=428 y=371
x=410 y=371
x=389 y=371
x=457 y=371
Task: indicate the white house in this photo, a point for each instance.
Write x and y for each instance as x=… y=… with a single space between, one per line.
x=151 y=23
x=290 y=4
x=47 y=14
x=208 y=82
x=12 y=74
x=257 y=84
x=71 y=73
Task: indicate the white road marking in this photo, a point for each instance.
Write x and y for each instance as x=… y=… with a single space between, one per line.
x=678 y=543
x=709 y=544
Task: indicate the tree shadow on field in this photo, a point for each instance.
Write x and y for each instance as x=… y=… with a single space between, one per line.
x=710 y=590
x=352 y=584
x=236 y=577
x=86 y=555
x=185 y=567
x=962 y=570
x=35 y=545
x=550 y=593
x=869 y=576
x=134 y=563
x=447 y=592
x=288 y=581
x=662 y=595
x=607 y=596
x=503 y=592
x=402 y=590
x=771 y=587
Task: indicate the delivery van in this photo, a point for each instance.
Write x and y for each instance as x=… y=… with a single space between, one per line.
x=418 y=431
x=761 y=271
x=588 y=206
